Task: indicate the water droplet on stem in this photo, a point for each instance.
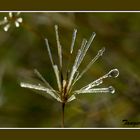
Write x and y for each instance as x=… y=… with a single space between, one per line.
x=111 y=89
x=113 y=73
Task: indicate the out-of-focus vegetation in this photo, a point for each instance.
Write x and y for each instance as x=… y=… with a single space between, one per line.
x=23 y=49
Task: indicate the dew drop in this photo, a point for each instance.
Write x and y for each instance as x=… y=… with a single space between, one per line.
x=98 y=82
x=113 y=73
x=111 y=89
x=101 y=51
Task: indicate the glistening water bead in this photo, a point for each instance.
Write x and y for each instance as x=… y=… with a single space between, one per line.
x=111 y=89
x=113 y=73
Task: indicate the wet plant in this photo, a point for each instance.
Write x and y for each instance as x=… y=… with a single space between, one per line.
x=11 y=19
x=65 y=92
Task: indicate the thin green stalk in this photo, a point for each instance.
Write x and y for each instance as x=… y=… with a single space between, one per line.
x=63 y=117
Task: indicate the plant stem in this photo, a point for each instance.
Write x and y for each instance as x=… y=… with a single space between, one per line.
x=63 y=109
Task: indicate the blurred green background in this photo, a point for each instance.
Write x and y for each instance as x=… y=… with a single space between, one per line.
x=23 y=49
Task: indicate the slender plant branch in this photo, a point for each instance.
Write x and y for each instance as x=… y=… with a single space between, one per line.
x=63 y=115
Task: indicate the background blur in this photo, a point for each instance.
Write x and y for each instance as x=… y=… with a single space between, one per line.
x=23 y=49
